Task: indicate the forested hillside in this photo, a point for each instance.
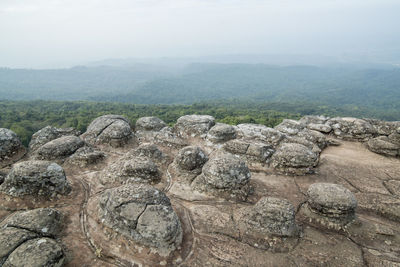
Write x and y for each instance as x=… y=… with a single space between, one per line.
x=26 y=117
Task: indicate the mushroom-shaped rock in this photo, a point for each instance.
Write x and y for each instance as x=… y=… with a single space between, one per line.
x=48 y=134
x=113 y=130
x=36 y=177
x=11 y=148
x=382 y=145
x=43 y=221
x=290 y=127
x=36 y=253
x=149 y=124
x=352 y=128
x=191 y=158
x=142 y=213
x=141 y=170
x=293 y=158
x=194 y=125
x=334 y=203
x=85 y=156
x=272 y=216
x=224 y=175
x=59 y=148
x=221 y=132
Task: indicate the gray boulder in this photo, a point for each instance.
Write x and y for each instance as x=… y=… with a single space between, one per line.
x=270 y=217
x=383 y=145
x=39 y=252
x=293 y=158
x=248 y=131
x=323 y=128
x=11 y=148
x=290 y=127
x=384 y=127
x=36 y=177
x=58 y=149
x=334 y=203
x=352 y=128
x=149 y=124
x=142 y=213
x=194 y=125
x=251 y=150
x=226 y=176
x=113 y=130
x=166 y=137
x=191 y=158
x=147 y=150
x=140 y=170
x=48 y=134
x=221 y=132
x=86 y=156
x=312 y=119
x=44 y=221
x=10 y=239
x=394 y=138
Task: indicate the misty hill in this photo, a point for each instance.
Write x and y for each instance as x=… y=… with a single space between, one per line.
x=377 y=88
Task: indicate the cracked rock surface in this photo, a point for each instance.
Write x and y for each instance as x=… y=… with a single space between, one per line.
x=142 y=213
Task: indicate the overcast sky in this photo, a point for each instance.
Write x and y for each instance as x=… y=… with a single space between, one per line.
x=56 y=33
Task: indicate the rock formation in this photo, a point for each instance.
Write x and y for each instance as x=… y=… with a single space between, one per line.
x=11 y=148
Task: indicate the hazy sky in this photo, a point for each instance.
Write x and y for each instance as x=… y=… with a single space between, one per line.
x=55 y=33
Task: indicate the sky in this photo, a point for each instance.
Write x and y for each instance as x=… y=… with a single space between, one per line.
x=55 y=33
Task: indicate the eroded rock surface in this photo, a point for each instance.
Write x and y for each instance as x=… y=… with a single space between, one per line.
x=11 y=148
x=221 y=132
x=86 y=156
x=293 y=158
x=48 y=134
x=59 y=148
x=334 y=204
x=194 y=125
x=113 y=130
x=36 y=178
x=149 y=124
x=142 y=213
x=226 y=176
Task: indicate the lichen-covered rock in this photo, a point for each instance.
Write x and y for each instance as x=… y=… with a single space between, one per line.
x=43 y=221
x=140 y=170
x=394 y=138
x=142 y=213
x=252 y=150
x=147 y=150
x=290 y=127
x=149 y=124
x=11 y=148
x=382 y=145
x=226 y=176
x=37 y=252
x=194 y=125
x=166 y=137
x=221 y=132
x=312 y=119
x=113 y=130
x=59 y=148
x=191 y=158
x=352 y=128
x=384 y=127
x=248 y=131
x=48 y=134
x=323 y=128
x=271 y=216
x=86 y=156
x=332 y=203
x=10 y=239
x=36 y=177
x=293 y=158
x=238 y=147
